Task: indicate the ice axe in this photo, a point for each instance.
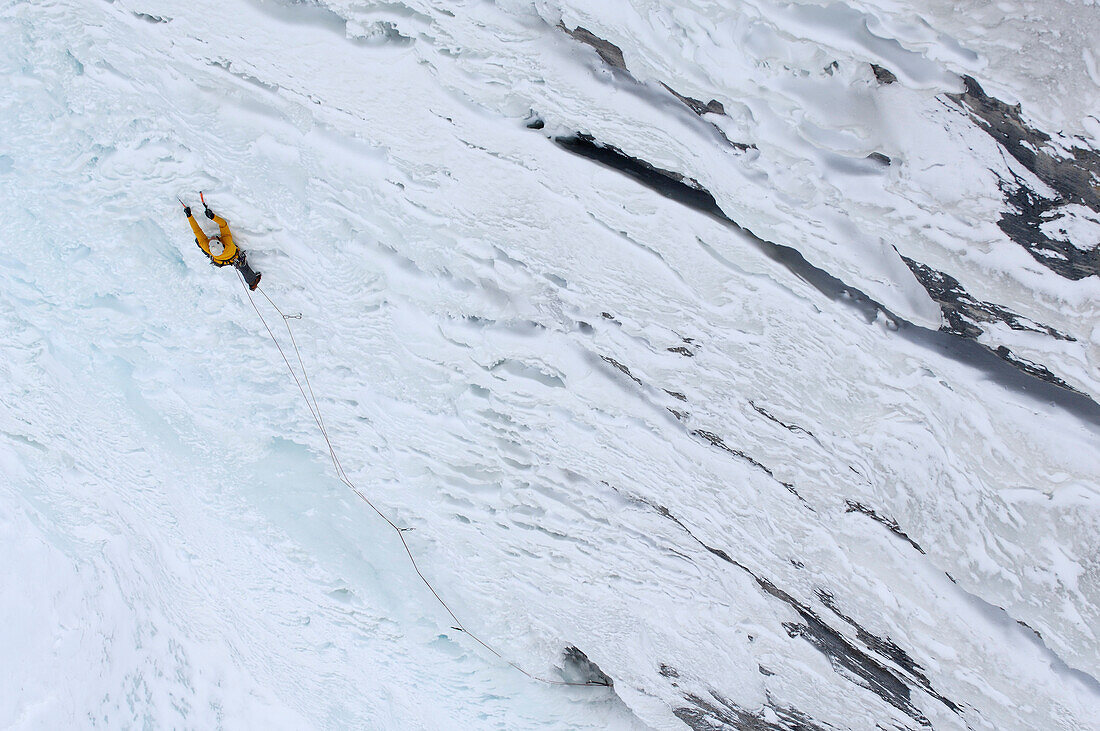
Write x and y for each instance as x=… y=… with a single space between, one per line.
x=209 y=213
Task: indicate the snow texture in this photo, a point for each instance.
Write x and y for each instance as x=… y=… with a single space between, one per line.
x=745 y=354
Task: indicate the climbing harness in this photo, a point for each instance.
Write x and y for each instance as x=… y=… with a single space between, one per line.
x=315 y=410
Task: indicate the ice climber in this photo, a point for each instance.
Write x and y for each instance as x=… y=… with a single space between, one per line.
x=220 y=248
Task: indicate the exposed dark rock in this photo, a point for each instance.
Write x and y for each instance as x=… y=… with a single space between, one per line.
x=707 y=715
x=789 y=427
x=1073 y=173
x=888 y=684
x=848 y=660
x=962 y=313
x=890 y=523
x=1076 y=178
x=884 y=76
x=883 y=646
x=151 y=18
x=623 y=369
x=1034 y=631
x=742 y=146
x=577 y=668
x=666 y=513
x=792 y=719
x=961 y=310
x=721 y=444
x=703 y=715
x=1021 y=222
x=699 y=107
x=611 y=54
x=879 y=158
x=1031 y=368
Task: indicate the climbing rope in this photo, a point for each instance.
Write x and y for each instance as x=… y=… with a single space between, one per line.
x=315 y=410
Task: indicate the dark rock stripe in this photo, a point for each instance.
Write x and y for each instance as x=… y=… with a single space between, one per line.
x=890 y=523
x=848 y=660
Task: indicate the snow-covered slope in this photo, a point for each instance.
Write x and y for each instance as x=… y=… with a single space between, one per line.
x=752 y=352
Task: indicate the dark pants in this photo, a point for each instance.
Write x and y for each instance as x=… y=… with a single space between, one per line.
x=251 y=277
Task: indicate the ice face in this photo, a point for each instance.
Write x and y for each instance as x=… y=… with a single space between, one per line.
x=686 y=343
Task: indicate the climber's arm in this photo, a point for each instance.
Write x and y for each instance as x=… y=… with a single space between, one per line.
x=200 y=237
x=226 y=234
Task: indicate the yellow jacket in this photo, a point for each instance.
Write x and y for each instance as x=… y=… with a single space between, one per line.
x=229 y=254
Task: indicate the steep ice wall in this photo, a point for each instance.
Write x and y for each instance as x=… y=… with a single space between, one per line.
x=630 y=314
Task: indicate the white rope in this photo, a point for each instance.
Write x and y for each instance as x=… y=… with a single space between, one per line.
x=315 y=410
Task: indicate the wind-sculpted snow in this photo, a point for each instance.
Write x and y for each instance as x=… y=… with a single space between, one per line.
x=689 y=346
x=803 y=85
